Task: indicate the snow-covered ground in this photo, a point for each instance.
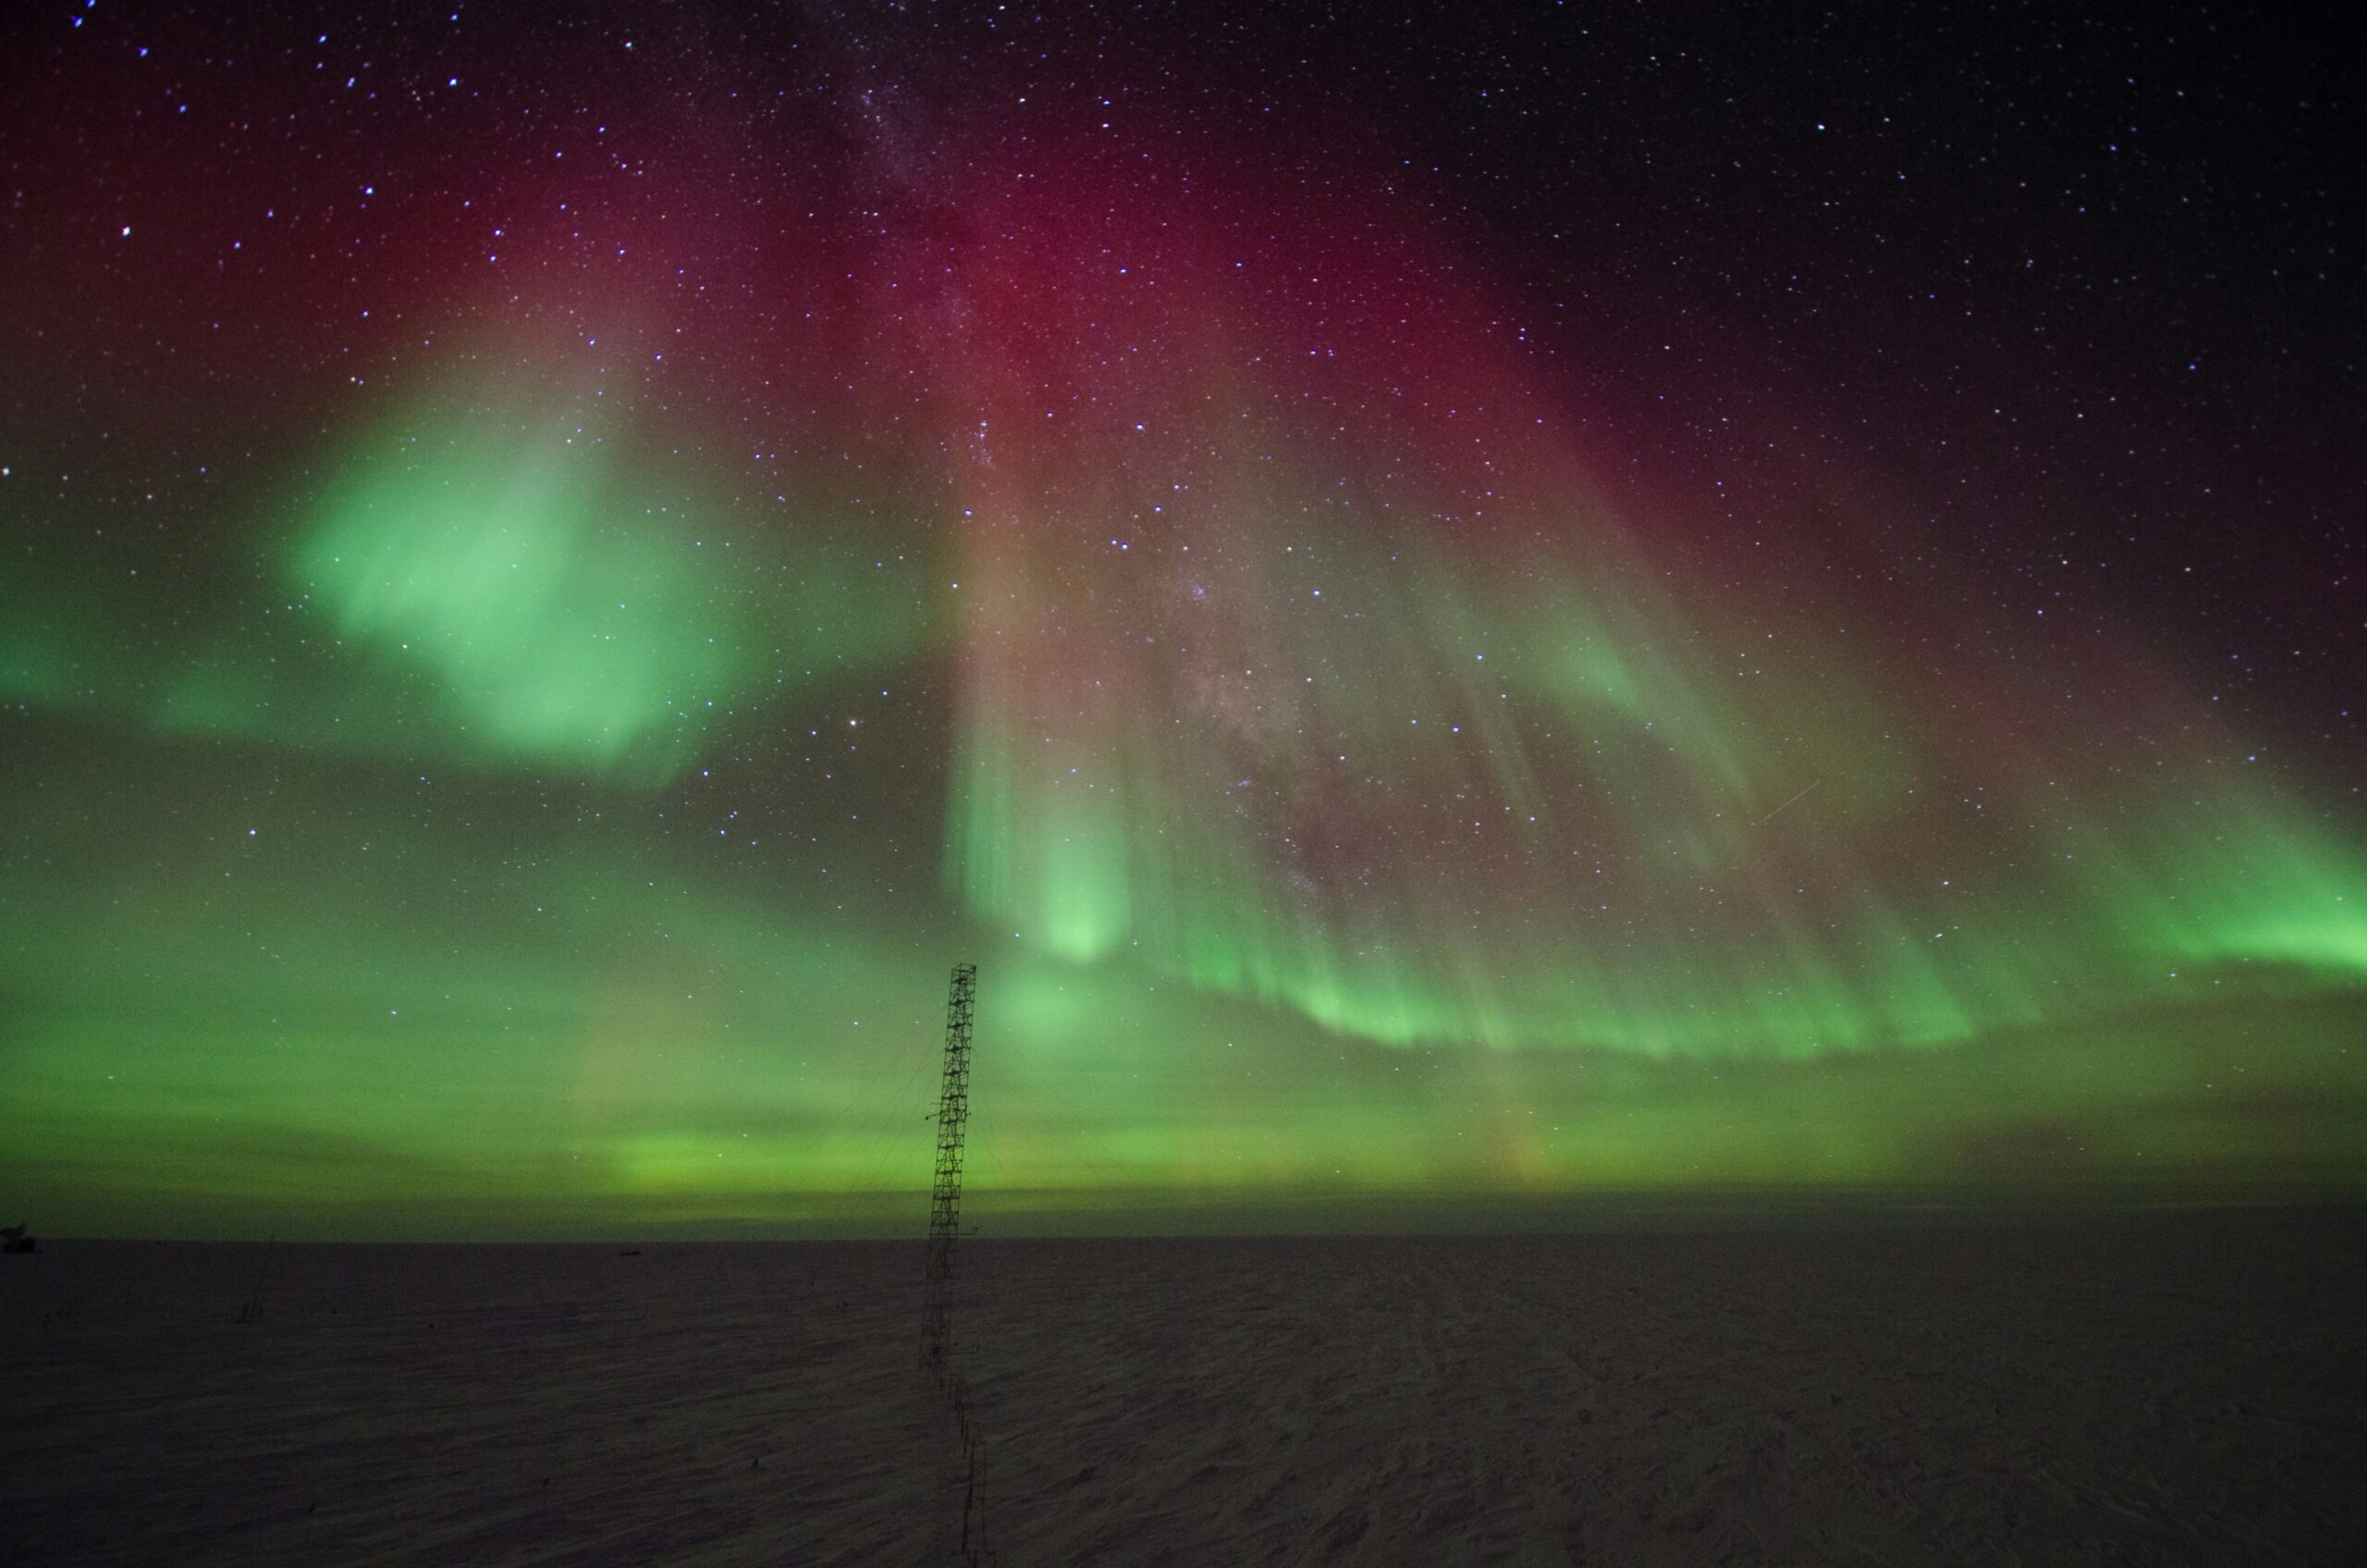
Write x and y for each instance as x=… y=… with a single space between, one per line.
x=2165 y=1389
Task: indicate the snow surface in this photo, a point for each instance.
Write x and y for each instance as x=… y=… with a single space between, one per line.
x=2175 y=1389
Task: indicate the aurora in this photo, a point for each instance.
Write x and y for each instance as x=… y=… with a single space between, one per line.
x=515 y=698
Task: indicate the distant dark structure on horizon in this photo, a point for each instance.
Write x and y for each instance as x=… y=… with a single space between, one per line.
x=14 y=1238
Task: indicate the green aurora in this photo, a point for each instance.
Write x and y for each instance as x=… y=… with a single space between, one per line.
x=1461 y=649
x=1698 y=932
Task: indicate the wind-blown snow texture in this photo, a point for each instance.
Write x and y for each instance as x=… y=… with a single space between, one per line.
x=2183 y=1389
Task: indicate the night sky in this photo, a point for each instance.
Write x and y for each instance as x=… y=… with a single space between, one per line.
x=1480 y=610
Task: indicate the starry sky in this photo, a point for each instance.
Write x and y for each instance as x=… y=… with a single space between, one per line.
x=1464 y=612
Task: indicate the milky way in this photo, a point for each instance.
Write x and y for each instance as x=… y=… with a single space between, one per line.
x=1468 y=616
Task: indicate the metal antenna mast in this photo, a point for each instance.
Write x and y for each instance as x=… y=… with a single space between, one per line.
x=945 y=1200
x=944 y=1230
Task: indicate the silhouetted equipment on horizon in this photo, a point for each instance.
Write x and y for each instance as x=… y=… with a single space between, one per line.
x=944 y=1230
x=14 y=1238
x=256 y=1308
